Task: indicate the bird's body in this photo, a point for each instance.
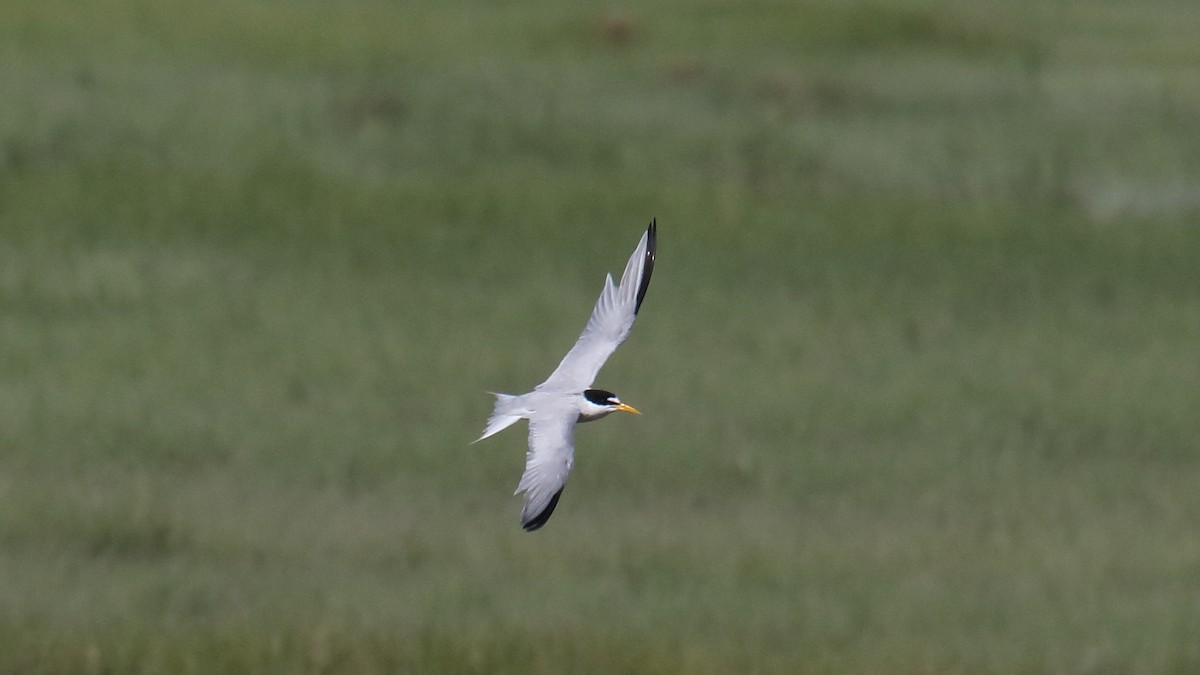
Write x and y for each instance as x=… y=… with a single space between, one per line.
x=566 y=398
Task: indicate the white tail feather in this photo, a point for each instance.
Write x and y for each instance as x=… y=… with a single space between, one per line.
x=508 y=411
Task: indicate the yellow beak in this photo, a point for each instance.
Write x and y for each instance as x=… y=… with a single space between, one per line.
x=628 y=408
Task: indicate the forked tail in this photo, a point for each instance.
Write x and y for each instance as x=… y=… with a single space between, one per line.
x=508 y=411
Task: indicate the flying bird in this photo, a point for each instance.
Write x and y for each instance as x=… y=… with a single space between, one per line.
x=567 y=398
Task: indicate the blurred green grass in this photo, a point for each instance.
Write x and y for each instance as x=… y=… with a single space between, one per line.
x=918 y=365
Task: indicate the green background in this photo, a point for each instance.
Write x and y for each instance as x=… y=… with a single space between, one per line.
x=919 y=365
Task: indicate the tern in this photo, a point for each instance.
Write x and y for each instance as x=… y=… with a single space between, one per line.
x=567 y=398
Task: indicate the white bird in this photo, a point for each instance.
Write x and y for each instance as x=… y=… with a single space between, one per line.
x=566 y=398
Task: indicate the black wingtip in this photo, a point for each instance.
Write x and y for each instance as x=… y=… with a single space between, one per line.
x=648 y=265
x=540 y=519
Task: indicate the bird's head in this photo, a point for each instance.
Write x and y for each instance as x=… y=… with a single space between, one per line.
x=597 y=403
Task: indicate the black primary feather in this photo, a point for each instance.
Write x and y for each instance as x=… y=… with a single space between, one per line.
x=648 y=265
x=541 y=518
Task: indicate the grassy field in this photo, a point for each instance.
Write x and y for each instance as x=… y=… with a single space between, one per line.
x=920 y=362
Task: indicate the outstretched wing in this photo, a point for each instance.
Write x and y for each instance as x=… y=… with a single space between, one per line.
x=610 y=321
x=547 y=464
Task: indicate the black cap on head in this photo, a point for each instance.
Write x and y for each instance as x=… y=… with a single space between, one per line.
x=599 y=396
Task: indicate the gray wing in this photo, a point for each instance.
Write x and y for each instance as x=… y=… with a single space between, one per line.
x=610 y=321
x=547 y=464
